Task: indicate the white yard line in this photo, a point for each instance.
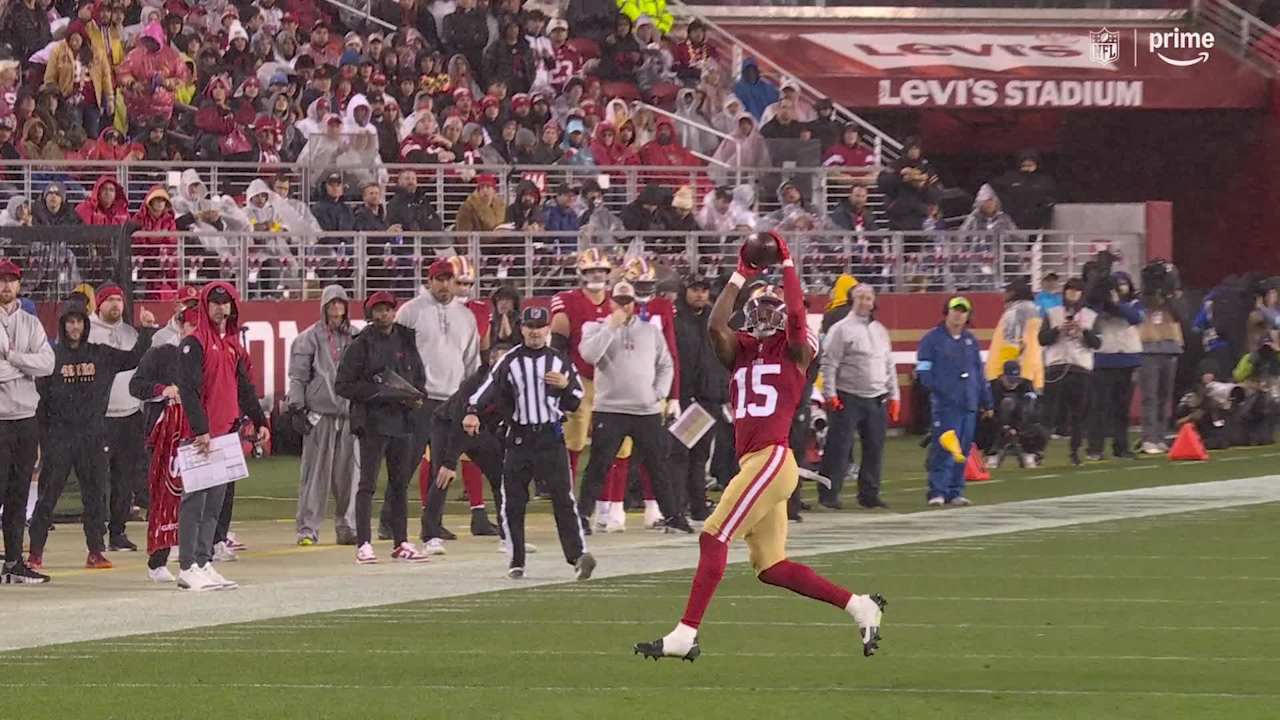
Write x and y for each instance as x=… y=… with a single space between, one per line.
x=50 y=620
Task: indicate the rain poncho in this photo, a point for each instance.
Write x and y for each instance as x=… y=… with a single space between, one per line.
x=274 y=216
x=699 y=141
x=313 y=123
x=748 y=149
x=150 y=70
x=13 y=210
x=193 y=198
x=361 y=158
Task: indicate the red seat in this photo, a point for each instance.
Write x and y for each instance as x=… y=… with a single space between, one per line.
x=588 y=48
x=620 y=89
x=664 y=95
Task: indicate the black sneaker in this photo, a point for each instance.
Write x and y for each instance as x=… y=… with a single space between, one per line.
x=585 y=522
x=121 y=542
x=699 y=513
x=19 y=574
x=480 y=524
x=1075 y=459
x=584 y=567
x=384 y=532
x=345 y=537
x=444 y=533
x=873 y=504
x=678 y=524
x=653 y=649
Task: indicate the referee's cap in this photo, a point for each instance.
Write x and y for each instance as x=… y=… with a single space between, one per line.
x=535 y=317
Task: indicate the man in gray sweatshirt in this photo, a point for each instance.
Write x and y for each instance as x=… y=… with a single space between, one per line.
x=125 y=431
x=171 y=333
x=328 y=448
x=24 y=356
x=449 y=344
x=633 y=376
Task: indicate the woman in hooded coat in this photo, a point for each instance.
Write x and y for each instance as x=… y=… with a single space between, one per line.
x=221 y=136
x=149 y=74
x=461 y=76
x=17 y=213
x=109 y=147
x=748 y=149
x=270 y=258
x=106 y=204
x=323 y=149
x=236 y=56
x=313 y=122
x=160 y=270
x=215 y=217
x=247 y=101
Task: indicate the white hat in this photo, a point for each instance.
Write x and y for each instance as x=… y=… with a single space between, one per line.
x=623 y=289
x=557 y=24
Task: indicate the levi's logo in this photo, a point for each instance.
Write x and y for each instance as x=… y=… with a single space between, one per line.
x=994 y=52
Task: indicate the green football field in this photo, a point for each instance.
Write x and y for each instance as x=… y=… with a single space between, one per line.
x=1170 y=616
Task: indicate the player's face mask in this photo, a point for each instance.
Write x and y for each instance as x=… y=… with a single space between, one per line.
x=644 y=291
x=595 y=280
x=764 y=316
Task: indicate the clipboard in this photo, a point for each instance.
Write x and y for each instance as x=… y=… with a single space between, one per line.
x=223 y=464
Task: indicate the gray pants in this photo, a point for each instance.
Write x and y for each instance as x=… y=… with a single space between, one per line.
x=329 y=464
x=1155 y=382
x=197 y=522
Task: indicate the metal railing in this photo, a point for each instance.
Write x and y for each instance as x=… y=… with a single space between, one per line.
x=1253 y=39
x=289 y=266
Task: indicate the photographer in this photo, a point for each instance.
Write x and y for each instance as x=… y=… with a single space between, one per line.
x=1208 y=406
x=1015 y=427
x=1111 y=391
x=1069 y=341
x=1162 y=346
x=1258 y=373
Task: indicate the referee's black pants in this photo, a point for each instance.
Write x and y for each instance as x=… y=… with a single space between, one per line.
x=648 y=439
x=538 y=453
x=484 y=449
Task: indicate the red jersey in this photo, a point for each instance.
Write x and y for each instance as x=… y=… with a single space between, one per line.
x=662 y=312
x=765 y=391
x=580 y=310
x=568 y=65
x=483 y=313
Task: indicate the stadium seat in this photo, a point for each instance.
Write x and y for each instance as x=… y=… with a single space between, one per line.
x=588 y=48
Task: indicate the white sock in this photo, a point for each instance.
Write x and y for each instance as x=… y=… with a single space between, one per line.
x=682 y=636
x=603 y=508
x=651 y=506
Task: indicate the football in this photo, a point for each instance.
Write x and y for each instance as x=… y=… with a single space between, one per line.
x=761 y=250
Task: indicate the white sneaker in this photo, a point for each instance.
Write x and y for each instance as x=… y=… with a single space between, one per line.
x=516 y=573
x=365 y=555
x=617 y=521
x=196 y=581
x=1164 y=447
x=652 y=515
x=434 y=546
x=160 y=575
x=222 y=552
x=233 y=542
x=216 y=577
x=529 y=548
x=959 y=501
x=406 y=552
x=867 y=611
x=993 y=462
x=936 y=500
x=1150 y=448
x=1029 y=460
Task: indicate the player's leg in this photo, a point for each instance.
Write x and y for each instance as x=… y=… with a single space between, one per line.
x=577 y=425
x=758 y=469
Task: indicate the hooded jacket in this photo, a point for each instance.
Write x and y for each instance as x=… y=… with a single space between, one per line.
x=978 y=220
x=213 y=372
x=703 y=378
x=92 y=213
x=448 y=342
x=1028 y=197
x=671 y=154
x=9 y=216
x=150 y=70
x=314 y=358
x=521 y=216
x=125 y=338
x=27 y=357
x=755 y=95
x=748 y=149
x=607 y=155
x=75 y=396
x=66 y=215
x=165 y=222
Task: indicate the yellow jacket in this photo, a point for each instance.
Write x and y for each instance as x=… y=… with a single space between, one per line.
x=61 y=71
x=656 y=9
x=1029 y=354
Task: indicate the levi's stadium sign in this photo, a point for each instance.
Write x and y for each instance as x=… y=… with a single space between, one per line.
x=1018 y=67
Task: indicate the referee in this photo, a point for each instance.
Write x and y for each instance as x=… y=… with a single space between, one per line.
x=537 y=385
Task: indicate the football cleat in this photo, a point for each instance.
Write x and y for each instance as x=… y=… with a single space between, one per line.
x=677 y=523
x=658 y=649
x=867 y=611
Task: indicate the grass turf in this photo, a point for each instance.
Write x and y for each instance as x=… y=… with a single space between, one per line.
x=1165 y=617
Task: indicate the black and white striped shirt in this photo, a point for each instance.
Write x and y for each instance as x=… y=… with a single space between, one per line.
x=517 y=382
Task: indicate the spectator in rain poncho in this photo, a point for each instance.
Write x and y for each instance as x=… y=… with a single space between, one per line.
x=313 y=122
x=361 y=160
x=325 y=149
x=268 y=212
x=726 y=118
x=691 y=105
x=149 y=75
x=216 y=218
x=716 y=213
x=985 y=221
x=748 y=149
x=17 y=213
x=795 y=214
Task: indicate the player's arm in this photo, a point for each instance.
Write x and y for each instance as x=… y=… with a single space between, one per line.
x=801 y=343
x=723 y=338
x=560 y=327
x=673 y=348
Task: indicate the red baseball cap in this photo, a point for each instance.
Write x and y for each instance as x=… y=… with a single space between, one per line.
x=440 y=268
x=190 y=315
x=487 y=179
x=10 y=268
x=379 y=298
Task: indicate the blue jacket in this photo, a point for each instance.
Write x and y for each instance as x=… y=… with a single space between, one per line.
x=560 y=219
x=952 y=370
x=755 y=96
x=1046 y=301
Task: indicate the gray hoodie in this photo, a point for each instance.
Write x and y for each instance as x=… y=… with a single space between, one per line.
x=313 y=361
x=633 y=366
x=448 y=341
x=121 y=336
x=26 y=356
x=170 y=334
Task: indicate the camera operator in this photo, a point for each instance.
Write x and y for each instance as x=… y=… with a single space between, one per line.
x=1015 y=426
x=1069 y=341
x=1162 y=346
x=1111 y=391
x=1259 y=374
x=1208 y=406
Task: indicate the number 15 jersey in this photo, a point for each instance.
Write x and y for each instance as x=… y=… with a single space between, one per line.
x=765 y=391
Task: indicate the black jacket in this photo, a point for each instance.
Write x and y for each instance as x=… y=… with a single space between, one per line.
x=333 y=215
x=157 y=370
x=75 y=396
x=371 y=220
x=360 y=374
x=26 y=30
x=702 y=377
x=511 y=63
x=466 y=33
x=1027 y=197
x=448 y=417
x=413 y=212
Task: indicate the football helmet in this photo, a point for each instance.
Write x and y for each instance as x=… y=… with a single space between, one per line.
x=594 y=267
x=642 y=276
x=764 y=313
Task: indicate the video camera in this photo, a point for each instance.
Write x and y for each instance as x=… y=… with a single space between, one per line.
x=1098 y=282
x=1160 y=278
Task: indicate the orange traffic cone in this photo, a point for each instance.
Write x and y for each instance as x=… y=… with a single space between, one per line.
x=974 y=468
x=1188 y=445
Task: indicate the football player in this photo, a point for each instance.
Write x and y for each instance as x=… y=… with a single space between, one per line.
x=768 y=359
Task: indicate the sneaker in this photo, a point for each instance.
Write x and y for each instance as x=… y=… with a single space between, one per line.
x=121 y=542
x=677 y=523
x=20 y=574
x=35 y=561
x=345 y=536
x=936 y=500
x=959 y=501
x=444 y=533
x=529 y=548
x=195 y=581
x=434 y=546
x=652 y=515
x=365 y=556
x=222 y=552
x=233 y=542
x=993 y=462
x=1029 y=460
x=160 y=575
x=1150 y=448
x=516 y=573
x=867 y=611
x=406 y=552
x=1075 y=459
x=1093 y=457
x=679 y=643
x=306 y=541
x=584 y=567
x=481 y=525
x=1164 y=447
x=97 y=561
x=216 y=578
x=614 y=526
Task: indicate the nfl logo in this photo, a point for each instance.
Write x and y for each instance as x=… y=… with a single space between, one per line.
x=1104 y=47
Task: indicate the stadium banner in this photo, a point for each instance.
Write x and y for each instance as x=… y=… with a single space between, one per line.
x=924 y=66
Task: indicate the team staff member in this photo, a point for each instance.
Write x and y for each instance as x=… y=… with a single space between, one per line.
x=950 y=366
x=215 y=389
x=703 y=380
x=329 y=448
x=860 y=387
x=171 y=333
x=633 y=378
x=25 y=355
x=383 y=424
x=73 y=406
x=125 y=432
x=537 y=385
